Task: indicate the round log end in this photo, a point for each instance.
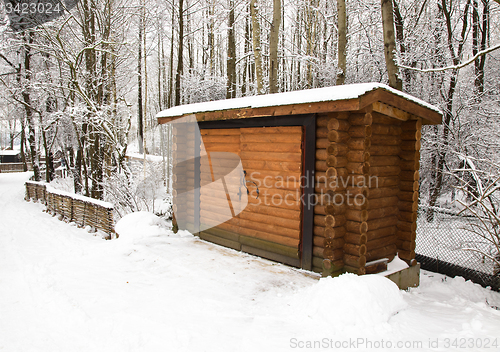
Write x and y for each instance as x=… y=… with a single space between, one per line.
x=331 y=172
x=331 y=161
x=368 y=118
x=362 y=249
x=368 y=131
x=364 y=213
x=329 y=232
x=362 y=240
x=329 y=220
x=327 y=264
x=366 y=168
x=332 y=149
x=333 y=136
x=333 y=124
x=363 y=227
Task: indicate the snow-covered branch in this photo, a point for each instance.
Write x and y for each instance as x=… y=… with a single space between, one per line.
x=454 y=67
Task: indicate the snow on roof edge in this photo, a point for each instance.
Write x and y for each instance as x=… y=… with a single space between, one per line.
x=344 y=92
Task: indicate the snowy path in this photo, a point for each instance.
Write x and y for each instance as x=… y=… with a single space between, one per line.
x=62 y=289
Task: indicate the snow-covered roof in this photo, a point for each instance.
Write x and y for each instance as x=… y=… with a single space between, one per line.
x=336 y=93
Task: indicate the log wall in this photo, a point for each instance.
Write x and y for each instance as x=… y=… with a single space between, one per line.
x=383 y=188
x=374 y=159
x=408 y=189
x=331 y=166
x=357 y=195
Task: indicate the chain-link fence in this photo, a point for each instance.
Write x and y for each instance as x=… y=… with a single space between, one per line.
x=445 y=245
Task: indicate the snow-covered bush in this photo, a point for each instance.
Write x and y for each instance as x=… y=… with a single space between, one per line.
x=480 y=183
x=139 y=187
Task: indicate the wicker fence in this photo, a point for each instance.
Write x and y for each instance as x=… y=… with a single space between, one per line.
x=14 y=167
x=82 y=210
x=442 y=247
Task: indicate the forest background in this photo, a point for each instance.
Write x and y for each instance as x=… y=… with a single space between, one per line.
x=87 y=84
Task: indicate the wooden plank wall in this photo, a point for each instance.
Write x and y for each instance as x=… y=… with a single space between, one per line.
x=214 y=204
x=273 y=155
x=272 y=158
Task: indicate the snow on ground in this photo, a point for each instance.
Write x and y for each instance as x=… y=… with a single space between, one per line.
x=63 y=289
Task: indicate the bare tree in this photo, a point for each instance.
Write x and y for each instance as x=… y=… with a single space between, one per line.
x=342 y=41
x=254 y=11
x=35 y=156
x=273 y=47
x=231 y=54
x=180 y=51
x=140 y=103
x=456 y=54
x=390 y=44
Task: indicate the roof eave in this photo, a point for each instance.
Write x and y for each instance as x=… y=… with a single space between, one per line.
x=366 y=100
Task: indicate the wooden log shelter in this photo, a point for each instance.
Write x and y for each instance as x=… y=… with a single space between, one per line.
x=332 y=174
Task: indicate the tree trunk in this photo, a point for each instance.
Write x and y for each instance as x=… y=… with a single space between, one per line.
x=12 y=132
x=246 y=66
x=479 y=37
x=145 y=109
x=399 y=25
x=211 y=37
x=296 y=84
x=160 y=67
x=231 y=55
x=49 y=156
x=441 y=158
x=140 y=103
x=23 y=145
x=342 y=41
x=180 y=64
x=171 y=66
x=310 y=26
x=35 y=161
x=254 y=10
x=284 y=66
x=273 y=47
x=435 y=191
x=164 y=75
x=390 y=44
